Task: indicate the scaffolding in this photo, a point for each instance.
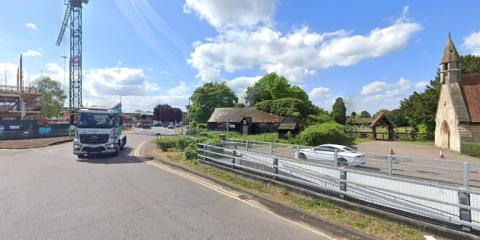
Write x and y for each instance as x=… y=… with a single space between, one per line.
x=19 y=102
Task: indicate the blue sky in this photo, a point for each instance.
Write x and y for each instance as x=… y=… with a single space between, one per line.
x=372 y=53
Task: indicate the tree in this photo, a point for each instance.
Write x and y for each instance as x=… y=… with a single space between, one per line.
x=339 y=111
x=285 y=107
x=365 y=114
x=138 y=111
x=272 y=87
x=166 y=113
x=208 y=97
x=470 y=64
x=398 y=117
x=319 y=118
x=353 y=114
x=421 y=108
x=53 y=97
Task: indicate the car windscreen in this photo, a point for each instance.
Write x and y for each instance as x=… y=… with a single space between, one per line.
x=95 y=120
x=350 y=149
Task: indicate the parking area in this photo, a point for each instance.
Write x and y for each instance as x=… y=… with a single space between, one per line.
x=410 y=160
x=414 y=150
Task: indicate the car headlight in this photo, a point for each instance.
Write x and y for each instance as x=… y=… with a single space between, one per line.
x=111 y=145
x=77 y=146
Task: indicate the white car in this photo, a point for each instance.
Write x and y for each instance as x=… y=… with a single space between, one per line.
x=347 y=156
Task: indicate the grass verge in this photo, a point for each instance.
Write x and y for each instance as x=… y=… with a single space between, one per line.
x=372 y=225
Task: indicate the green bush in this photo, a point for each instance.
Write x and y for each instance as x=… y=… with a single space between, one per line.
x=330 y=132
x=190 y=152
x=422 y=128
x=318 y=119
x=471 y=148
x=166 y=143
x=181 y=142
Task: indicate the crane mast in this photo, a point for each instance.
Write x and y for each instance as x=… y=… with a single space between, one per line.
x=73 y=16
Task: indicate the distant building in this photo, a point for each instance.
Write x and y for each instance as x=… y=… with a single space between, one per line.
x=289 y=126
x=246 y=120
x=145 y=117
x=458 y=111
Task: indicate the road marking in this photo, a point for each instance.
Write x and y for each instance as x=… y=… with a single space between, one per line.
x=427 y=237
x=136 y=153
x=225 y=192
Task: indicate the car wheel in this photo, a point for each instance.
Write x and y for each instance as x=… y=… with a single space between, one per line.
x=342 y=162
x=302 y=156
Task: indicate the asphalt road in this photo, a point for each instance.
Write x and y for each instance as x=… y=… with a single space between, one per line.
x=47 y=194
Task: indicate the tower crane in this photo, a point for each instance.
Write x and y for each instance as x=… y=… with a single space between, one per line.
x=73 y=16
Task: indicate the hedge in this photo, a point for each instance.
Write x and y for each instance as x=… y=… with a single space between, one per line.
x=166 y=143
x=329 y=132
x=471 y=148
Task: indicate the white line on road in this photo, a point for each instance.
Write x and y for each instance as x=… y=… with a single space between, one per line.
x=225 y=192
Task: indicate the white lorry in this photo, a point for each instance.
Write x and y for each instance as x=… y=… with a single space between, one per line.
x=99 y=131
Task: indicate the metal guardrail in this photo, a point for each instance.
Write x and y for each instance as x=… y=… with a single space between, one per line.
x=456 y=205
x=438 y=170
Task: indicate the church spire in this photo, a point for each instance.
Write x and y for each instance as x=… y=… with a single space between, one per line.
x=450 y=53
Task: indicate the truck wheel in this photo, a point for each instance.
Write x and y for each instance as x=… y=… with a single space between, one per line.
x=124 y=142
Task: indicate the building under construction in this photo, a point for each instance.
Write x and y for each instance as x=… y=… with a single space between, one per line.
x=19 y=102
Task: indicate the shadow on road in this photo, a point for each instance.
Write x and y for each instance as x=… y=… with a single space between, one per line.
x=125 y=156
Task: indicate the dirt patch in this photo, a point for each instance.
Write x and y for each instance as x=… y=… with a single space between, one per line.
x=33 y=143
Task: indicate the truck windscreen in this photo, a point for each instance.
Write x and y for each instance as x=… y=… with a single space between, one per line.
x=95 y=120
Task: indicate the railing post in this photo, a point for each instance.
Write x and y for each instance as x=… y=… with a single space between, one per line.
x=343 y=184
x=335 y=158
x=275 y=165
x=271 y=148
x=389 y=165
x=205 y=153
x=465 y=213
x=234 y=158
x=246 y=145
x=466 y=173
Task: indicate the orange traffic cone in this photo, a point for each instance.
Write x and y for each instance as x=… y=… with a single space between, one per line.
x=391 y=151
x=441 y=154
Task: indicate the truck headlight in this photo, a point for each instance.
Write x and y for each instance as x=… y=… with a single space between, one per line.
x=77 y=146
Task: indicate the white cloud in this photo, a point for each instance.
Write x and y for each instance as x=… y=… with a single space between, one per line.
x=32 y=53
x=374 y=87
x=118 y=81
x=239 y=85
x=422 y=84
x=31 y=26
x=296 y=55
x=319 y=92
x=176 y=96
x=379 y=95
x=10 y=70
x=104 y=86
x=232 y=13
x=472 y=43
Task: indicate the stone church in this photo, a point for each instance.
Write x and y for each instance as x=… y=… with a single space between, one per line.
x=458 y=111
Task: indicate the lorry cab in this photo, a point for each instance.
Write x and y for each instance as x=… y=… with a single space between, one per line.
x=98 y=131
